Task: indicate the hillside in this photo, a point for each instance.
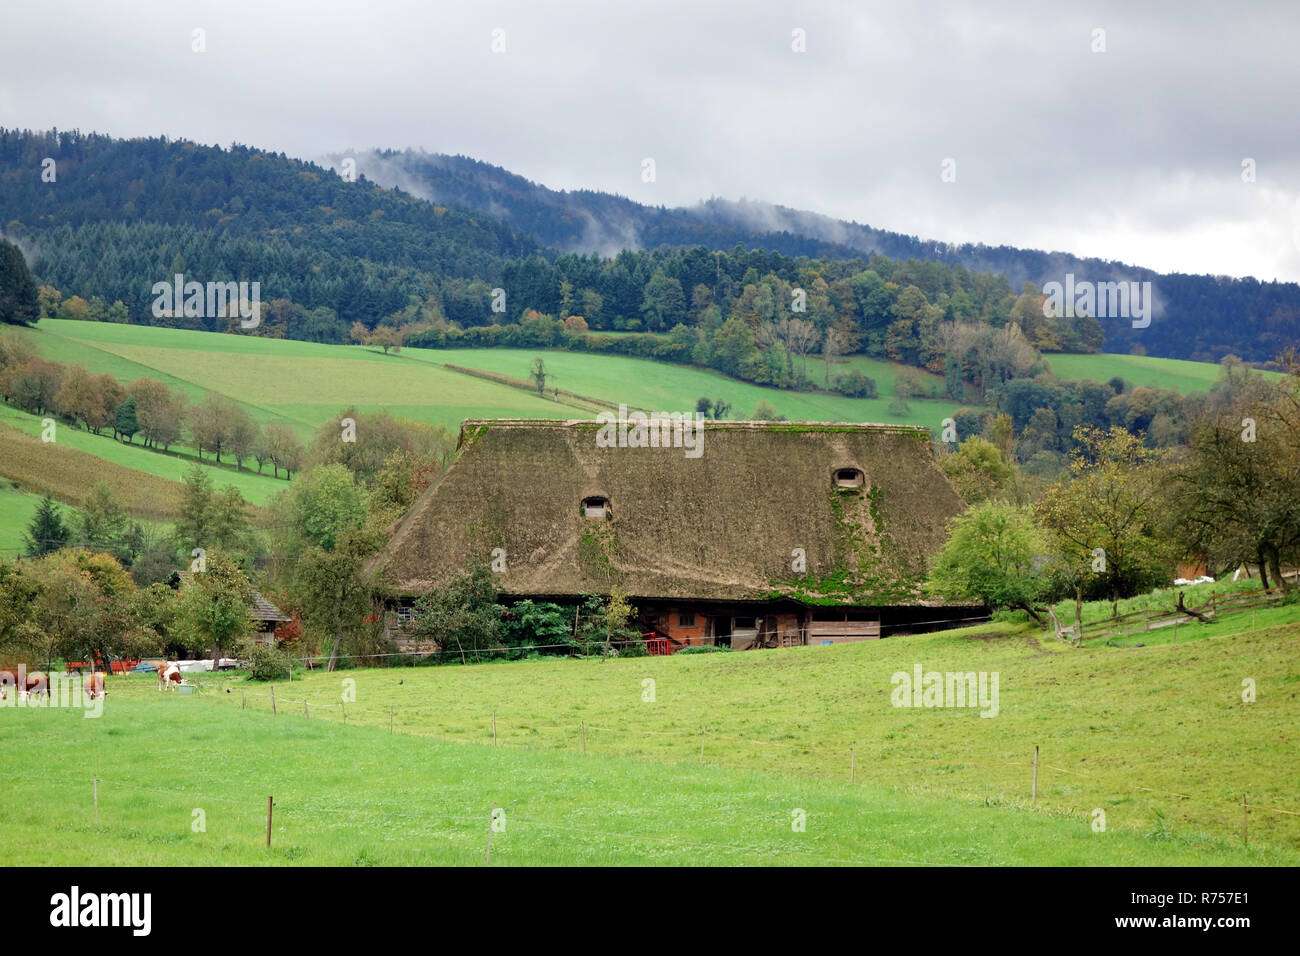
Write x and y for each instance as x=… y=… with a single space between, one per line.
x=128 y=213
x=1203 y=317
x=304 y=384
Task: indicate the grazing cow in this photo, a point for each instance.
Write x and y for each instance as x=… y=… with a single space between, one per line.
x=25 y=684
x=169 y=675
x=38 y=683
x=93 y=686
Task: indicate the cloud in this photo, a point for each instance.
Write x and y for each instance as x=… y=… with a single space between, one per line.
x=1133 y=153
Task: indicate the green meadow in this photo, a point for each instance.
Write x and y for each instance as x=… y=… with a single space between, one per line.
x=732 y=752
x=1177 y=374
x=16 y=509
x=255 y=488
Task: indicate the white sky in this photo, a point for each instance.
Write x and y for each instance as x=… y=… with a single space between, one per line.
x=1132 y=154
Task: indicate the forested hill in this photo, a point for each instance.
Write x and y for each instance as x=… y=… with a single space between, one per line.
x=123 y=214
x=1198 y=317
x=104 y=219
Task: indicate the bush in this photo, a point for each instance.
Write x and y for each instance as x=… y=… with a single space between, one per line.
x=703 y=649
x=267 y=662
x=856 y=385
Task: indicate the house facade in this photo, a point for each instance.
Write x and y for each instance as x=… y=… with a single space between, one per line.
x=768 y=534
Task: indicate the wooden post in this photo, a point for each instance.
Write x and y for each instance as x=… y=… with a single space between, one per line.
x=390 y=721
x=272 y=700
x=852 y=761
x=344 y=705
x=304 y=709
x=1175 y=632
x=488 y=856
x=703 y=734
x=243 y=700
x=95 y=784
x=1252 y=620
x=1033 y=800
x=494 y=734
x=1245 y=841
x=584 y=736
x=269 y=805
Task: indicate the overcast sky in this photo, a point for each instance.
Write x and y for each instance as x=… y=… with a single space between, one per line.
x=1134 y=153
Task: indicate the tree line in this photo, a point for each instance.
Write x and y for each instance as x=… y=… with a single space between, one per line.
x=160 y=415
x=1124 y=513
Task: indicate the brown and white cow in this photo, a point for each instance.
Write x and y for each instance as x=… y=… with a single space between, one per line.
x=25 y=683
x=169 y=675
x=93 y=686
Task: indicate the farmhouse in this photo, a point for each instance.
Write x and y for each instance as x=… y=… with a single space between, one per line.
x=264 y=615
x=778 y=534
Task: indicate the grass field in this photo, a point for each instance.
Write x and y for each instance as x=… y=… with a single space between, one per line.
x=931 y=787
x=255 y=488
x=16 y=509
x=1140 y=370
x=1157 y=737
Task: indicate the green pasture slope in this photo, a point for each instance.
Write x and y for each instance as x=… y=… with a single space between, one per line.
x=1137 y=370
x=305 y=383
x=710 y=771
x=257 y=489
x=16 y=509
x=300 y=383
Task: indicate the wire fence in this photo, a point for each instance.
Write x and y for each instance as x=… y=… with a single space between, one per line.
x=852 y=761
x=486 y=820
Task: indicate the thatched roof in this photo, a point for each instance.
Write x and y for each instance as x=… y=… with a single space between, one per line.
x=259 y=608
x=721 y=526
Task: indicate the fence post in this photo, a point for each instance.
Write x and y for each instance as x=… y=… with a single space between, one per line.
x=390 y=721
x=304 y=709
x=1245 y=841
x=487 y=858
x=243 y=700
x=852 y=761
x=95 y=784
x=494 y=736
x=269 y=805
x=1033 y=800
x=272 y=700
x=584 y=736
x=703 y=733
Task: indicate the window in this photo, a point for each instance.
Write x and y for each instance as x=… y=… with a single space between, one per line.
x=405 y=614
x=685 y=620
x=595 y=507
x=849 y=478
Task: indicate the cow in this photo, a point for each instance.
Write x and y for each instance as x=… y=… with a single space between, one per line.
x=93 y=686
x=25 y=683
x=169 y=675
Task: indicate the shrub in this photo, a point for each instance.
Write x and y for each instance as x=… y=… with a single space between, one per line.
x=856 y=385
x=267 y=662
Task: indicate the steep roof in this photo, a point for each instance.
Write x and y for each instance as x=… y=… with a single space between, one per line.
x=723 y=525
x=259 y=608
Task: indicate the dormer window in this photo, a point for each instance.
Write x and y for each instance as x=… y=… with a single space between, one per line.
x=595 y=507
x=849 y=478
